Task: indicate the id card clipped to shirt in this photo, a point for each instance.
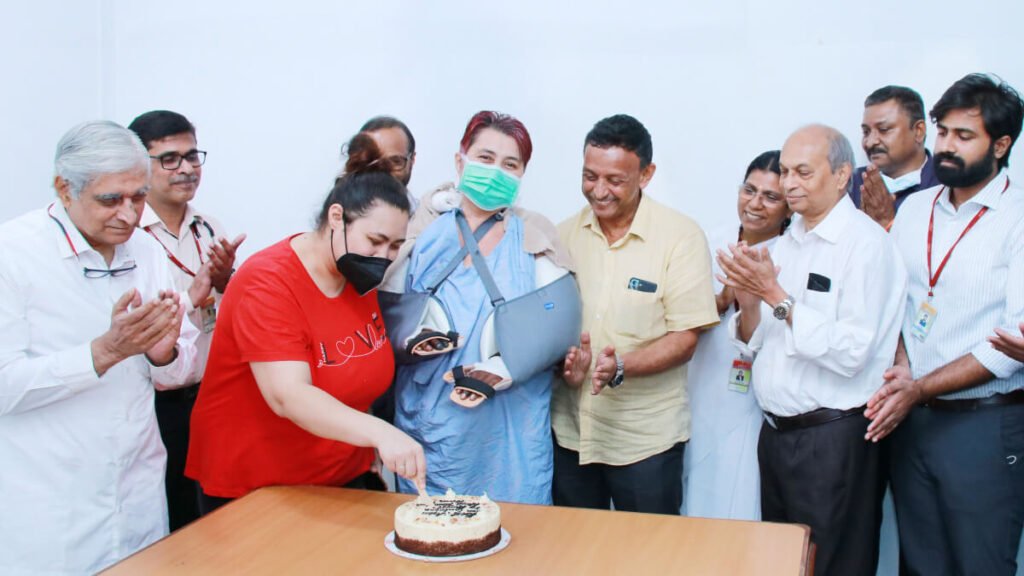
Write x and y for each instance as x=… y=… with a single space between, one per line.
x=740 y=374
x=209 y=314
x=923 y=321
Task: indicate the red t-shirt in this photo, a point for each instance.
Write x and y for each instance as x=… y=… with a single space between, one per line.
x=274 y=312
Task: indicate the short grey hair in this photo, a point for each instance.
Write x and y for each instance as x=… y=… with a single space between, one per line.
x=840 y=152
x=95 y=149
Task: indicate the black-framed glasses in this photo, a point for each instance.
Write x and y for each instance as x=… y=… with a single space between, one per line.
x=104 y=272
x=171 y=160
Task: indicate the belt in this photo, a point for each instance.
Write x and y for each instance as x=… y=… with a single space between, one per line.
x=179 y=394
x=808 y=419
x=972 y=404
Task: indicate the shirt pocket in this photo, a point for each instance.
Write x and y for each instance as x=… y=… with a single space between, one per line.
x=825 y=303
x=640 y=316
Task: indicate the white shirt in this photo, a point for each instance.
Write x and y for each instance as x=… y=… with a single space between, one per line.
x=842 y=340
x=981 y=287
x=183 y=245
x=81 y=483
x=720 y=474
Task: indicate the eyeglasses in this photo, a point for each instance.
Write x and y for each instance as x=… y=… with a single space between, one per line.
x=399 y=162
x=114 y=272
x=171 y=160
x=770 y=197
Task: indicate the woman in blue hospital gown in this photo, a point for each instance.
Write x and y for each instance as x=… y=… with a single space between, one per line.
x=502 y=446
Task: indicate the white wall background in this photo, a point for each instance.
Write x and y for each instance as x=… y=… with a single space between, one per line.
x=274 y=88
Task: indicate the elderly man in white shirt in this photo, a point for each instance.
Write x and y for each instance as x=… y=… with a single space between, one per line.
x=823 y=328
x=88 y=323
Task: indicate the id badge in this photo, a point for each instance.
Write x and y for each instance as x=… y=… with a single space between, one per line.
x=923 y=322
x=209 y=314
x=739 y=375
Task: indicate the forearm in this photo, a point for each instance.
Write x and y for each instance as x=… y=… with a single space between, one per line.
x=748 y=321
x=671 y=350
x=960 y=374
x=321 y=414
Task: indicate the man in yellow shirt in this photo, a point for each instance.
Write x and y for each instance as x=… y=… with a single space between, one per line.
x=621 y=422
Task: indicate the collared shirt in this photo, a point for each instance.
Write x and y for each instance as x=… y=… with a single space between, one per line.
x=82 y=481
x=668 y=254
x=980 y=288
x=842 y=338
x=895 y=185
x=925 y=179
x=185 y=244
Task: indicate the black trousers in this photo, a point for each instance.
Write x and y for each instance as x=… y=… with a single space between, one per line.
x=958 y=487
x=651 y=485
x=826 y=477
x=173 y=414
x=365 y=481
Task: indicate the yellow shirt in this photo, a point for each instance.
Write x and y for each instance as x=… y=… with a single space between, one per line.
x=647 y=414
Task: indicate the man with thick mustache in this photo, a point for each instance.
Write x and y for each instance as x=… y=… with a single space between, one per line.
x=893 y=132
x=201 y=261
x=957 y=457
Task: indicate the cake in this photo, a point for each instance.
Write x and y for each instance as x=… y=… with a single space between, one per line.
x=448 y=525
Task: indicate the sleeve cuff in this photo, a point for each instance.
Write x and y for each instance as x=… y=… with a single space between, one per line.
x=1000 y=365
x=802 y=338
x=75 y=368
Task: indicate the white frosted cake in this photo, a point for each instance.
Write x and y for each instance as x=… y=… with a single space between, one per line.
x=448 y=525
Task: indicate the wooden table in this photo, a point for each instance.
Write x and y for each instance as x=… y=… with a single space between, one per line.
x=317 y=530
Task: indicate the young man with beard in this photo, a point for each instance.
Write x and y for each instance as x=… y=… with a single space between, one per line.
x=201 y=261
x=957 y=476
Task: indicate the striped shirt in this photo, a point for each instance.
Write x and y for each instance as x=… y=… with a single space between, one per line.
x=980 y=288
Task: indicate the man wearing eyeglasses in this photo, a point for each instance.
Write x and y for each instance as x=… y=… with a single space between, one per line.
x=201 y=261
x=89 y=322
x=396 y=144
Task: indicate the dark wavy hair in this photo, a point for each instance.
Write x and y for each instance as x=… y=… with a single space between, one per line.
x=1002 y=109
x=367 y=179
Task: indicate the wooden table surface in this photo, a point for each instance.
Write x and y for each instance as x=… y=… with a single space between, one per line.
x=318 y=530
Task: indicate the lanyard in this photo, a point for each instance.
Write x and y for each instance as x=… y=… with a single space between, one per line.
x=62 y=229
x=172 y=257
x=934 y=278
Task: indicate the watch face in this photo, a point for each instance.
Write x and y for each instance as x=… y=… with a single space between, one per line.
x=781 y=312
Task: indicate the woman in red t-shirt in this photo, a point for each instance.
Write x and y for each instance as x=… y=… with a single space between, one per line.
x=300 y=352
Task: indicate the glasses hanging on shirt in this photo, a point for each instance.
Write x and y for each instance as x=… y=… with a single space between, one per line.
x=114 y=272
x=92 y=272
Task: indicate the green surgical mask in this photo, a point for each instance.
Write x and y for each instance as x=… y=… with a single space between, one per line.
x=488 y=186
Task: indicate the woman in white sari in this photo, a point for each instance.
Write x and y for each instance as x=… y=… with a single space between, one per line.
x=720 y=474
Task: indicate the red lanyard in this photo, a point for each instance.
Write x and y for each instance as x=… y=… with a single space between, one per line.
x=62 y=229
x=934 y=278
x=172 y=257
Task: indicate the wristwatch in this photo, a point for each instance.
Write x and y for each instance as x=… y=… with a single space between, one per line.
x=782 y=309
x=620 y=371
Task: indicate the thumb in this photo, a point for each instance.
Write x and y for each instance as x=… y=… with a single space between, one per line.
x=585 y=338
x=609 y=350
x=128 y=297
x=238 y=241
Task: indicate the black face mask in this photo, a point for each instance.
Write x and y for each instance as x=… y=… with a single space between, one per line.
x=364 y=272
